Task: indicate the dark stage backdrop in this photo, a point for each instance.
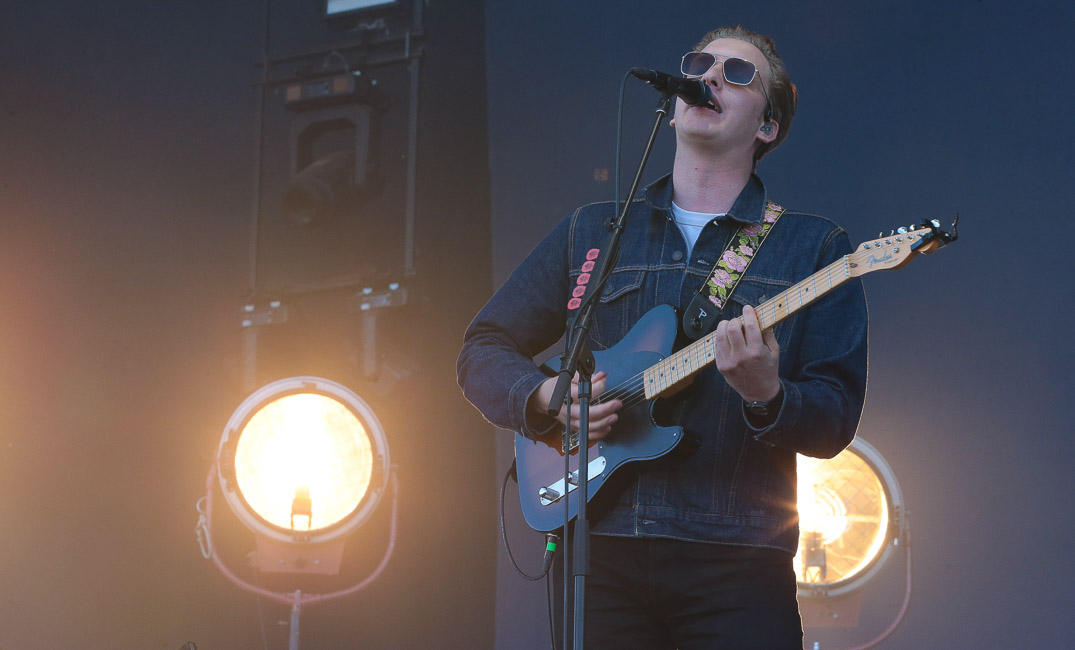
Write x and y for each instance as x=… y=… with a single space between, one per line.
x=128 y=134
x=907 y=110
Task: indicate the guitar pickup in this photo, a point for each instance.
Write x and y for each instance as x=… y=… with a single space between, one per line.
x=550 y=494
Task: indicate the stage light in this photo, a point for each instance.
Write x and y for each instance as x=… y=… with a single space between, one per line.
x=848 y=510
x=331 y=157
x=304 y=462
x=851 y=516
x=316 y=192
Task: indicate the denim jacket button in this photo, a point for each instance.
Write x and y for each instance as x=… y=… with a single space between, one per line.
x=676 y=256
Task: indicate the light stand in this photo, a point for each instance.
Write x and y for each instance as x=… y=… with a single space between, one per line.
x=303 y=463
x=297 y=599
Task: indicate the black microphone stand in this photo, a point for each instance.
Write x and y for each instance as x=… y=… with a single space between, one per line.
x=580 y=359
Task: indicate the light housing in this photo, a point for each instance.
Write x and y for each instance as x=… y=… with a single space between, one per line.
x=303 y=462
x=850 y=517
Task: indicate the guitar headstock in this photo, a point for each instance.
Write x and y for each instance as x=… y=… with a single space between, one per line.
x=901 y=246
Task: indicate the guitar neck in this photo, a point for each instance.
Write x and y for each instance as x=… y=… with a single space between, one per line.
x=793 y=299
x=670 y=373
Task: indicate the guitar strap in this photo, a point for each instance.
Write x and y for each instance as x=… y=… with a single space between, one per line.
x=708 y=304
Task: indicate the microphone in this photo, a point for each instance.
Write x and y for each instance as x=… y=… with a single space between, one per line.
x=694 y=92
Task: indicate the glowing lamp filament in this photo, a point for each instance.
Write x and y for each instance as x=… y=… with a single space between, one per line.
x=824 y=514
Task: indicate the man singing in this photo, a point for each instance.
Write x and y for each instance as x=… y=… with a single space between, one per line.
x=694 y=551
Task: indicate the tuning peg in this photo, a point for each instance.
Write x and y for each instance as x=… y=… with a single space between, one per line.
x=902 y=231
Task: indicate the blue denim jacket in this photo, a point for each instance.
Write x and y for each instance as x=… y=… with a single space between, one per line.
x=738 y=486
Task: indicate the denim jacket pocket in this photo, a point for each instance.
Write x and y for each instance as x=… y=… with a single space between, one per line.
x=618 y=308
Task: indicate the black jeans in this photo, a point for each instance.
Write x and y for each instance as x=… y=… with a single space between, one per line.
x=657 y=594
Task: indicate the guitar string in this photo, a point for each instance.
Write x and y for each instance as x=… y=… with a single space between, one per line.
x=632 y=390
x=629 y=389
x=631 y=386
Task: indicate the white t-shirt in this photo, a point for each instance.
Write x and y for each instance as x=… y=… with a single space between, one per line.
x=691 y=224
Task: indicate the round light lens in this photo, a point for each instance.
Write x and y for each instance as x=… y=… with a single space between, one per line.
x=304 y=462
x=303 y=457
x=845 y=511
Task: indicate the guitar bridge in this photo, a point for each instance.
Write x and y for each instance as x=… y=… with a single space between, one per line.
x=550 y=494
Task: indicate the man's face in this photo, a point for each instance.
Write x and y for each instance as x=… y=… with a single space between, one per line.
x=736 y=116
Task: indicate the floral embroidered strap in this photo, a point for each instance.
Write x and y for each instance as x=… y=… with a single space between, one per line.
x=731 y=266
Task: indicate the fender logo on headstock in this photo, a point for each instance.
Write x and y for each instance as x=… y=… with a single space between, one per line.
x=879 y=260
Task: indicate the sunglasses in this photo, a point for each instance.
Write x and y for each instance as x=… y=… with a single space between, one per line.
x=736 y=71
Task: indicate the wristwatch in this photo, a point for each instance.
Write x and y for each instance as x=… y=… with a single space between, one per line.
x=766 y=409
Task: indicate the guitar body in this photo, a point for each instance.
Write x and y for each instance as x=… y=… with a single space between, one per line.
x=635 y=436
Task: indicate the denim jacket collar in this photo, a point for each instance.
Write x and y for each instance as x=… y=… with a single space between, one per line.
x=749 y=206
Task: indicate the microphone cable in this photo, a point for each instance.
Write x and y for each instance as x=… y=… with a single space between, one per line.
x=551 y=546
x=551 y=539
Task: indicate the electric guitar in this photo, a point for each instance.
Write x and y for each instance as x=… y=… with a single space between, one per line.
x=642 y=368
